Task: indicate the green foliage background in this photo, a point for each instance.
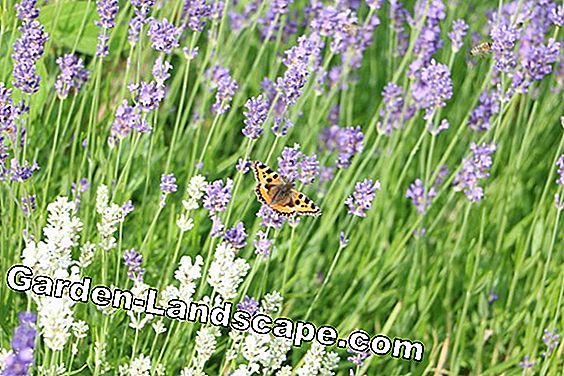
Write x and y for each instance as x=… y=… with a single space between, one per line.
x=432 y=288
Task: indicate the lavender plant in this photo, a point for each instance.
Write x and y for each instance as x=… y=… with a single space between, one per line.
x=127 y=135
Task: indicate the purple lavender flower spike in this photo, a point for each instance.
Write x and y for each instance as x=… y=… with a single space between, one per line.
x=196 y=12
x=190 y=54
x=107 y=11
x=281 y=126
x=26 y=11
x=249 y=305
x=456 y=36
x=435 y=130
x=270 y=91
x=20 y=359
x=280 y=6
x=28 y=204
x=349 y=143
x=164 y=35
x=298 y=59
x=479 y=120
x=168 y=186
x=21 y=172
x=288 y=163
x=291 y=84
x=419 y=196
x=393 y=114
x=255 y=116
x=77 y=190
x=30 y=46
x=217 y=226
x=429 y=40
x=25 y=77
x=226 y=86
x=328 y=138
x=309 y=169
x=526 y=363
x=263 y=245
x=361 y=199
x=72 y=76
x=537 y=63
x=237 y=236
x=551 y=339
x=217 y=196
x=8 y=116
x=27 y=50
x=556 y=15
x=127 y=207
x=374 y=4
x=343 y=240
x=243 y=165
x=326 y=174
x=149 y=96
x=3 y=151
x=473 y=170
x=358 y=358
x=161 y=70
x=127 y=118
x=492 y=297
x=134 y=29
x=334 y=113
x=133 y=261
x=346 y=141
x=433 y=88
x=504 y=36
x=270 y=218
x=560 y=165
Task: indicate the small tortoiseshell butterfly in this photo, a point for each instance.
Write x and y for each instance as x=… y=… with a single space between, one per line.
x=274 y=192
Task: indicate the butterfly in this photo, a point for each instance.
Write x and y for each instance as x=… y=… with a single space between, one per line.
x=280 y=196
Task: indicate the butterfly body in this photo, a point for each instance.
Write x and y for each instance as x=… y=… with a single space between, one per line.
x=279 y=195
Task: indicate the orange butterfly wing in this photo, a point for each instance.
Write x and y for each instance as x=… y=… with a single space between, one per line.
x=267 y=180
x=263 y=194
x=304 y=205
x=284 y=209
x=266 y=175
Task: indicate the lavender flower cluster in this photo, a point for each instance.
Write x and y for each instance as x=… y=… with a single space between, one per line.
x=395 y=112
x=432 y=89
x=107 y=11
x=21 y=358
x=28 y=48
x=164 y=35
x=346 y=142
x=147 y=97
x=141 y=9
x=534 y=56
x=133 y=260
x=195 y=13
x=474 y=169
x=72 y=76
x=10 y=168
x=226 y=86
x=429 y=40
x=361 y=199
x=294 y=165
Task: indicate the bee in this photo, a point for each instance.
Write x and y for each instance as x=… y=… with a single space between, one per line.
x=351 y=29
x=481 y=49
